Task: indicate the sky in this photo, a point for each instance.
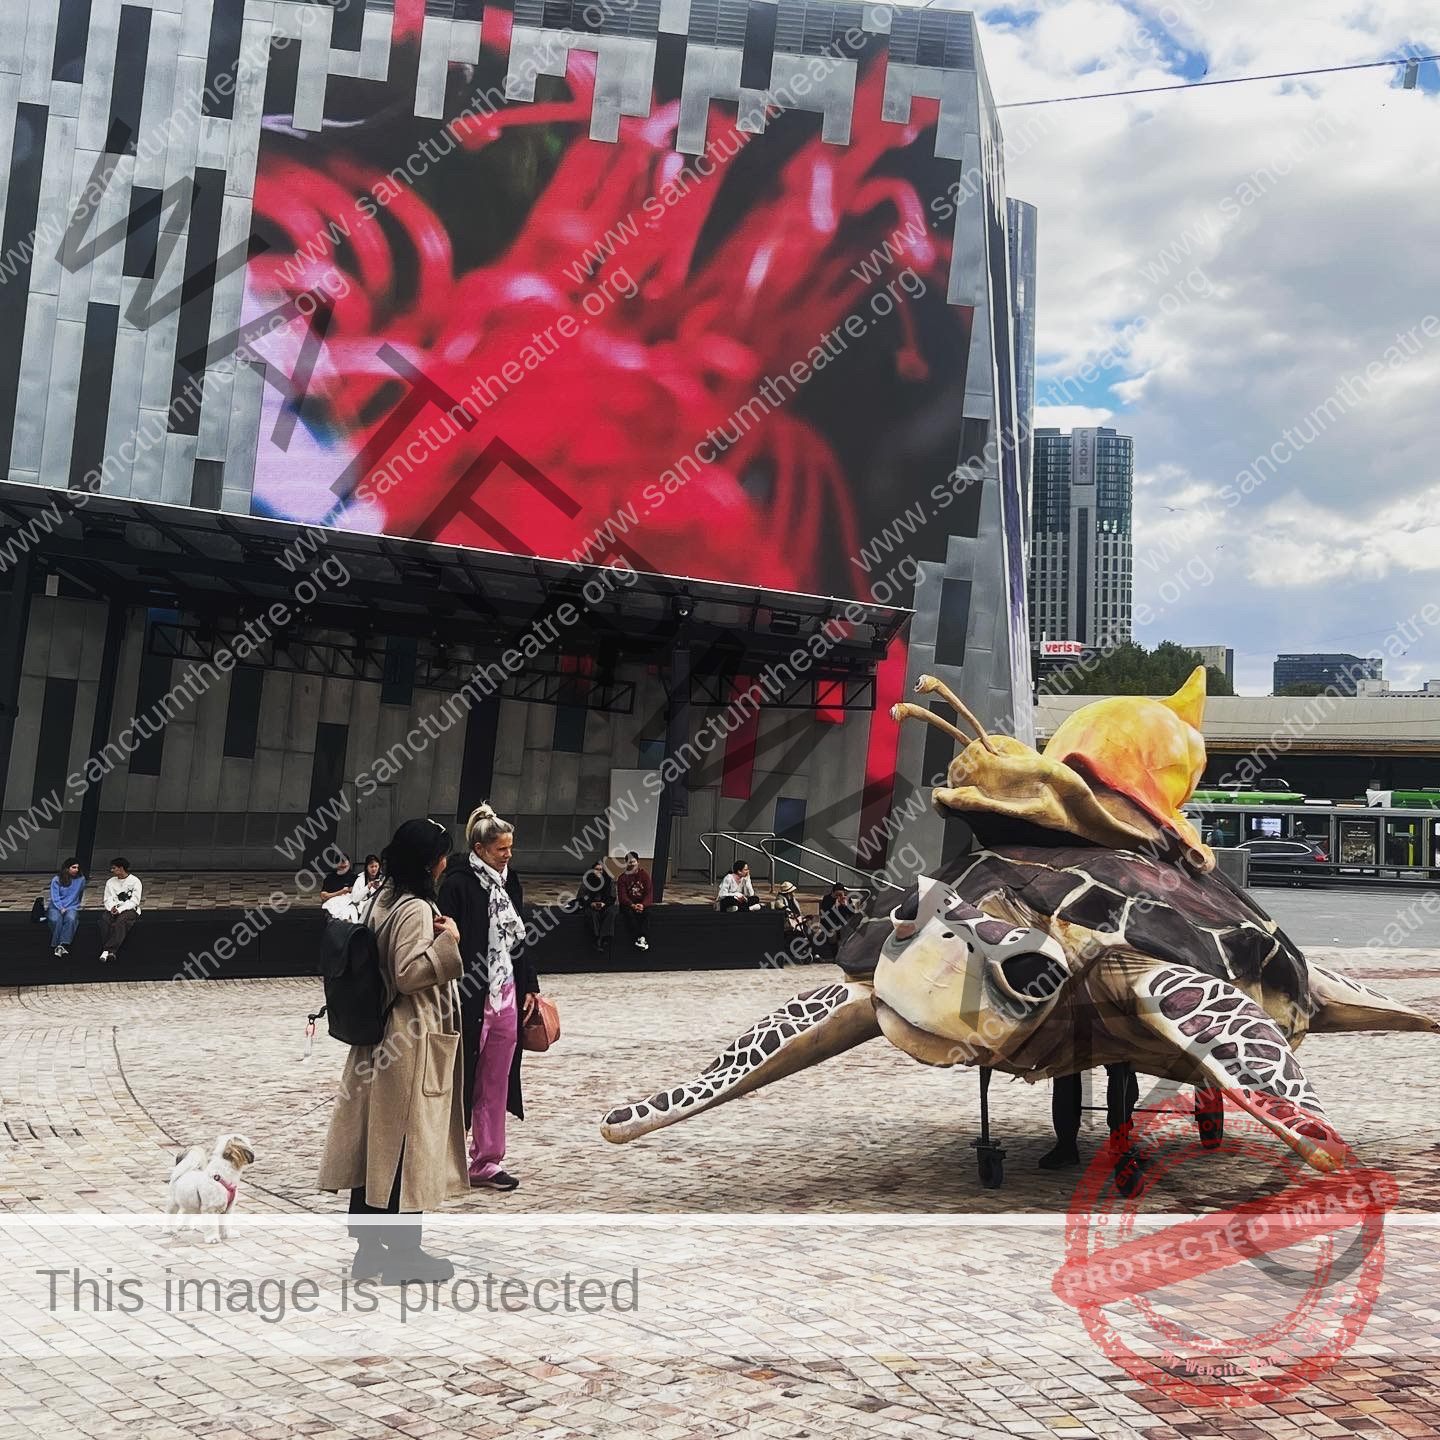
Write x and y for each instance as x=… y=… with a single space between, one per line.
x=1217 y=266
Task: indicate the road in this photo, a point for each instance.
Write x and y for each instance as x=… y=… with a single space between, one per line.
x=1354 y=917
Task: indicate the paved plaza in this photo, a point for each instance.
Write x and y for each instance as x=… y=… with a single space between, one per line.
x=817 y=1321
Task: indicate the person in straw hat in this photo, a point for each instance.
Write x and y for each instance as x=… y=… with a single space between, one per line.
x=787 y=900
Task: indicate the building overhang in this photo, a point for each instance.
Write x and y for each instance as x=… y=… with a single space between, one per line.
x=1269 y=726
x=222 y=570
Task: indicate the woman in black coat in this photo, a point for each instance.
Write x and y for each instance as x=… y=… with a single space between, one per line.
x=467 y=896
x=595 y=900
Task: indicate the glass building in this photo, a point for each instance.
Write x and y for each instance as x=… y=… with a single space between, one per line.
x=1081 y=584
x=1343 y=671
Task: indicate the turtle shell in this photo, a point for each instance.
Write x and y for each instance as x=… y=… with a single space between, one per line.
x=1161 y=910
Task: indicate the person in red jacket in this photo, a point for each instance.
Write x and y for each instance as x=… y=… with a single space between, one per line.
x=633 y=887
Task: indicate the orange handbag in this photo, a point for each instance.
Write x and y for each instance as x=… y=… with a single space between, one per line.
x=542 y=1029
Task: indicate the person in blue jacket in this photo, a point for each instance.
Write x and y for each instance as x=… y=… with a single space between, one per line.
x=63 y=908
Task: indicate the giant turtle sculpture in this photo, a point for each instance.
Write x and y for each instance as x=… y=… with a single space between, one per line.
x=1084 y=924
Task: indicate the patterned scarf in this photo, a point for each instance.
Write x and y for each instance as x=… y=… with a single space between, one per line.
x=506 y=931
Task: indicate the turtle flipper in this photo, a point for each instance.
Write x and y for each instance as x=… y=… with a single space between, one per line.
x=1227 y=1040
x=804 y=1031
x=1348 y=1005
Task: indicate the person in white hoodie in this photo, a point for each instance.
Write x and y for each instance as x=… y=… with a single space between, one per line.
x=121 y=909
x=737 y=891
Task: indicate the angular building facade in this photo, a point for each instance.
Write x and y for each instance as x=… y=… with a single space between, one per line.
x=1024 y=258
x=1343 y=671
x=287 y=283
x=1081 y=582
x=1218 y=657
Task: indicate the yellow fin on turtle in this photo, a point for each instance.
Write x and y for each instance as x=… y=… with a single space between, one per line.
x=1188 y=702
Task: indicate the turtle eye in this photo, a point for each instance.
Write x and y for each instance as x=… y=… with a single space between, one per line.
x=1032 y=977
x=902 y=929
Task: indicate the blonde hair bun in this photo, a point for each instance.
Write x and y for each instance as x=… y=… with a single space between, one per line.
x=484 y=826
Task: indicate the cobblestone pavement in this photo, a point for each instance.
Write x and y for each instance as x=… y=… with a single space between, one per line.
x=896 y=1330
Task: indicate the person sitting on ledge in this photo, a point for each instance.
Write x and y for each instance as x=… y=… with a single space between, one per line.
x=335 y=888
x=736 y=891
x=596 y=902
x=63 y=907
x=635 y=895
x=122 y=908
x=789 y=905
x=367 y=883
x=835 y=914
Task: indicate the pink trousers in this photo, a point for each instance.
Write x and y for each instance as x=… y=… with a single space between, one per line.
x=499 y=1034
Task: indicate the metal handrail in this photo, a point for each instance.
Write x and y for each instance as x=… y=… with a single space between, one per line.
x=735 y=836
x=868 y=884
x=1359 y=874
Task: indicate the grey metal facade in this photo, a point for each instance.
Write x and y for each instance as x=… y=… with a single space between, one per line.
x=90 y=360
x=1024 y=222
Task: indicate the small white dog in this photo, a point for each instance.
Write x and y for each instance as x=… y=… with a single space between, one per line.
x=208 y=1189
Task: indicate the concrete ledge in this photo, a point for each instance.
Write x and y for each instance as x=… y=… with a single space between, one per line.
x=682 y=937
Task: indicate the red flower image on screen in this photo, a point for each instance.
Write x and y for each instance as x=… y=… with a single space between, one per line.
x=632 y=321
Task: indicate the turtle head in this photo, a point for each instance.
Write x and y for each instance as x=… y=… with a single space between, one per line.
x=1115 y=773
x=956 y=986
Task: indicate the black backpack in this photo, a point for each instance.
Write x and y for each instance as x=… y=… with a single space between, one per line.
x=354 y=987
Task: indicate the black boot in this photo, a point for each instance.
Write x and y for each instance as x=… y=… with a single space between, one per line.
x=1064 y=1156
x=1210 y=1118
x=1122 y=1094
x=370 y=1256
x=1065 y=1117
x=413 y=1263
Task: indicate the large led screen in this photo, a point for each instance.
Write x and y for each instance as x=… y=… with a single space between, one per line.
x=737 y=365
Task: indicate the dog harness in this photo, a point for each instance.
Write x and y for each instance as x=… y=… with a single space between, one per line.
x=230 y=1190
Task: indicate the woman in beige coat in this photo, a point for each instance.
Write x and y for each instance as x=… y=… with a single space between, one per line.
x=397 y=1134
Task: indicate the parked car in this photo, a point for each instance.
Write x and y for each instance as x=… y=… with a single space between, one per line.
x=1267 y=849
x=1281 y=854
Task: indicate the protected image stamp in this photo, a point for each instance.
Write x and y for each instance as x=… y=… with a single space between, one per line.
x=1161 y=1298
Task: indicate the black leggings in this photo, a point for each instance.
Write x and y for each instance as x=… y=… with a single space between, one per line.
x=1122 y=1092
x=600 y=924
x=398 y=1237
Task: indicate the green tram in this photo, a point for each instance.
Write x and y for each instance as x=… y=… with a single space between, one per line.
x=1346 y=841
x=1283 y=796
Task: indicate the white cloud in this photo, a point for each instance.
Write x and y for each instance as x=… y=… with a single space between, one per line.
x=1256 y=245
x=1297 y=543
x=1067 y=417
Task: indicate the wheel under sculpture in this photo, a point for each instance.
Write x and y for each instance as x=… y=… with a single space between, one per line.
x=1085 y=924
